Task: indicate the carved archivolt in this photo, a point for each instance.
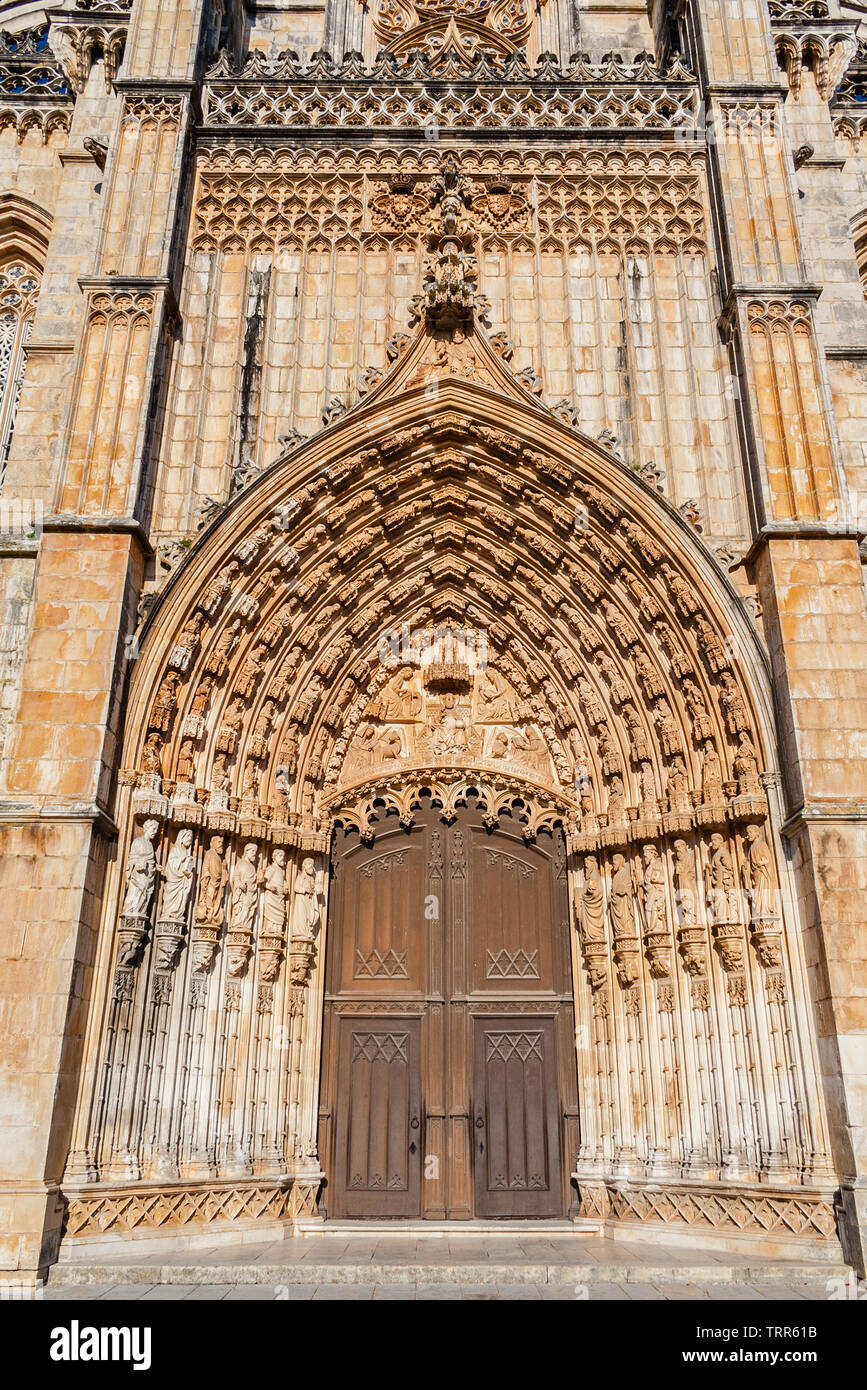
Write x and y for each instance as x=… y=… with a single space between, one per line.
x=613 y=671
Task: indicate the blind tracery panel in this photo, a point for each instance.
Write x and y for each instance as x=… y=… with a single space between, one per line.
x=19 y=289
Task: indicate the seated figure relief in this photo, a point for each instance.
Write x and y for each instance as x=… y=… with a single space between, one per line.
x=418 y=720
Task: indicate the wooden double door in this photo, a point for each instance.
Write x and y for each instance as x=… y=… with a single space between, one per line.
x=449 y=1086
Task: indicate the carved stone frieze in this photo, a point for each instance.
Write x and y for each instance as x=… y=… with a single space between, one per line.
x=633 y=204
x=493 y=88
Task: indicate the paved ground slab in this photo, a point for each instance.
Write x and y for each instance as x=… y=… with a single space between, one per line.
x=512 y=1265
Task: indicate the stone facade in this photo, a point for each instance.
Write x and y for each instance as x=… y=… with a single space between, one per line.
x=340 y=344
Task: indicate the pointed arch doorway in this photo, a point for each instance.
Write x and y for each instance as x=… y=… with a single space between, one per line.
x=449 y=1086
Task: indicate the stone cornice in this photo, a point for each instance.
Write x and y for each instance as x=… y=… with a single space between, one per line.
x=830 y=813
x=20 y=813
x=121 y=525
x=800 y=530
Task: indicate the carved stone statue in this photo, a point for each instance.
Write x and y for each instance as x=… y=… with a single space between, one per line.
x=746 y=766
x=616 y=802
x=758 y=875
x=450 y=734
x=250 y=782
x=186 y=769
x=186 y=643
x=653 y=884
x=152 y=756
x=274 y=897
x=209 y=908
x=685 y=882
x=141 y=871
x=164 y=702
x=259 y=736
x=723 y=891
x=733 y=706
x=401 y=699
x=678 y=780
x=668 y=730
x=227 y=734
x=219 y=779
x=178 y=882
x=253 y=666
x=591 y=906
x=648 y=783
x=245 y=886
x=620 y=906
x=306 y=911
x=711 y=768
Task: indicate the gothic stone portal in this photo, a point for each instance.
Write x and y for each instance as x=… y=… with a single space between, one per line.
x=449 y=1083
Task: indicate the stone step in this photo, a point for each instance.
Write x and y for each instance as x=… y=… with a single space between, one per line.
x=453 y=1271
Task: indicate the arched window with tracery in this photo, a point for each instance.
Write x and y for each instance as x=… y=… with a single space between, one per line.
x=19 y=288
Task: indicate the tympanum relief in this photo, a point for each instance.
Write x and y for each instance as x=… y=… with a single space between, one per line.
x=442 y=717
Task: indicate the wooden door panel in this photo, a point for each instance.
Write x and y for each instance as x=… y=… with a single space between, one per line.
x=447 y=966
x=379 y=1137
x=516 y=1124
x=382 y=929
x=511 y=916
